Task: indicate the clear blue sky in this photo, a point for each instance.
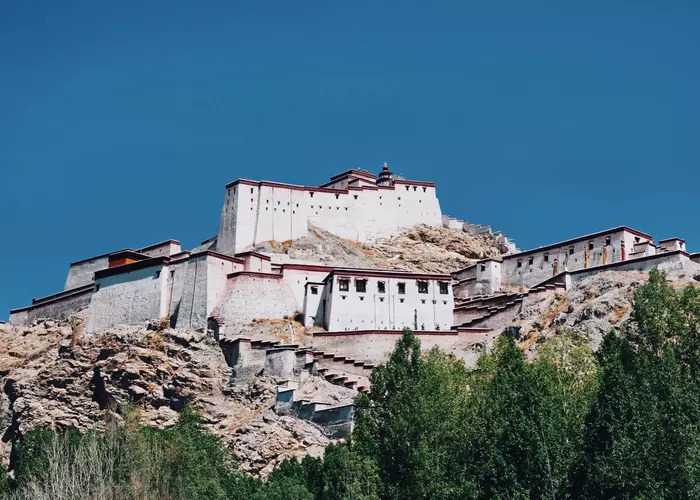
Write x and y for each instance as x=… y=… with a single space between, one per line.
x=120 y=125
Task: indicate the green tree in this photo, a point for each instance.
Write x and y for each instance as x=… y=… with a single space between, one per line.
x=642 y=432
x=411 y=422
x=347 y=475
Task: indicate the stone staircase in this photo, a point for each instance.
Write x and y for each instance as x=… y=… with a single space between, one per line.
x=338 y=370
x=341 y=370
x=495 y=310
x=335 y=421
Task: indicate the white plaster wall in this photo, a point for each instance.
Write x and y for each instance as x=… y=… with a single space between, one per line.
x=193 y=304
x=178 y=273
x=217 y=272
x=248 y=297
x=313 y=312
x=83 y=272
x=665 y=262
x=296 y=279
x=129 y=298
x=529 y=275
x=254 y=214
x=353 y=310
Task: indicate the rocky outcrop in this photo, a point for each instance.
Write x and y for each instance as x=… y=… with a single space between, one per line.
x=49 y=380
x=421 y=248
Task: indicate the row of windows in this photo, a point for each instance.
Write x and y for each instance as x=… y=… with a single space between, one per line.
x=361 y=286
x=591 y=246
x=381 y=299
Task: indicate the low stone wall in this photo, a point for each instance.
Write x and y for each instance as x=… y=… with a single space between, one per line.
x=664 y=261
x=376 y=346
x=58 y=306
x=245 y=362
x=336 y=422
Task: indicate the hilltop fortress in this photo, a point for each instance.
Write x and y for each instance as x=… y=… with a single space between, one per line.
x=223 y=285
x=354 y=205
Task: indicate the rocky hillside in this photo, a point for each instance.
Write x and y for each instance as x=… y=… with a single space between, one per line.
x=52 y=377
x=593 y=306
x=421 y=248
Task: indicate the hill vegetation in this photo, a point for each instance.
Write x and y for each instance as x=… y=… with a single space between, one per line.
x=621 y=423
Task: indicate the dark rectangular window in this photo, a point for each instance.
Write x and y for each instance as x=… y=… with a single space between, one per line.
x=343 y=285
x=530 y=261
x=590 y=245
x=546 y=257
x=361 y=286
x=607 y=241
x=422 y=287
x=314 y=290
x=443 y=288
x=571 y=250
x=381 y=287
x=483 y=267
x=520 y=263
x=402 y=288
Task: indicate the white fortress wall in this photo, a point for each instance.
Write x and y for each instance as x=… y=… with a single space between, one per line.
x=663 y=261
x=129 y=294
x=535 y=266
x=178 y=273
x=218 y=270
x=250 y=296
x=56 y=306
x=254 y=212
x=203 y=287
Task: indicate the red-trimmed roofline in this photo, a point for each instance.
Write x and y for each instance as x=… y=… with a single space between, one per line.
x=443 y=333
x=379 y=273
x=414 y=183
x=73 y=293
x=253 y=273
x=356 y=171
x=576 y=240
x=162 y=243
x=282 y=185
x=254 y=253
x=129 y=254
x=63 y=293
x=671 y=239
x=102 y=256
x=211 y=253
x=307 y=267
x=134 y=266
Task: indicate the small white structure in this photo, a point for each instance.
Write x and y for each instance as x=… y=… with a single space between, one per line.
x=367 y=299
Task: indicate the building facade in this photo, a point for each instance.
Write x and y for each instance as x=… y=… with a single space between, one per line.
x=353 y=205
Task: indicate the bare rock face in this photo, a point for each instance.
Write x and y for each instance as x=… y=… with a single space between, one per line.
x=593 y=306
x=421 y=248
x=50 y=380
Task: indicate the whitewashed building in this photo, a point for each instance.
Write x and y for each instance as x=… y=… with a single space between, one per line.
x=354 y=204
x=367 y=299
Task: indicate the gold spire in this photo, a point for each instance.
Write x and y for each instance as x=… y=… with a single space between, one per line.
x=386 y=167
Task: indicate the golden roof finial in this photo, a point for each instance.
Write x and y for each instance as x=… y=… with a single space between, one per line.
x=386 y=167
